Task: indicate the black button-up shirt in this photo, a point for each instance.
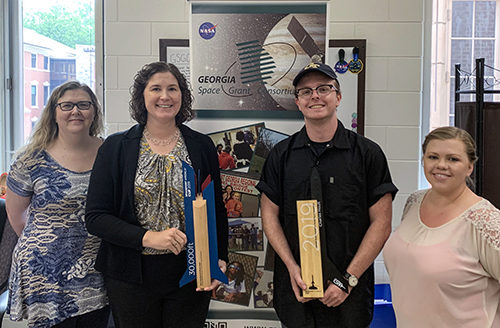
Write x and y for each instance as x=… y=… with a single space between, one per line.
x=354 y=176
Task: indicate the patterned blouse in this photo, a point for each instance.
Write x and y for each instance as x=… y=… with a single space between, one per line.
x=159 y=197
x=52 y=275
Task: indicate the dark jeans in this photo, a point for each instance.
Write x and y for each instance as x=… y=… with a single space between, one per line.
x=95 y=319
x=138 y=306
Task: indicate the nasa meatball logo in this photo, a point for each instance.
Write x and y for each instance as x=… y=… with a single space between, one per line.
x=207 y=30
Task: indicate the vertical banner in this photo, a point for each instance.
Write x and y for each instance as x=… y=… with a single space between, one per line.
x=244 y=56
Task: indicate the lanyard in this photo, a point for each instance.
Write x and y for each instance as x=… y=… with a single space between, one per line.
x=330 y=271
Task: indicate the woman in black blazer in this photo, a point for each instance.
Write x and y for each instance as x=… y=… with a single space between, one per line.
x=135 y=204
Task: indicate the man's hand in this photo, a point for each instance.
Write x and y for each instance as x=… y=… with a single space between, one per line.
x=334 y=296
x=297 y=283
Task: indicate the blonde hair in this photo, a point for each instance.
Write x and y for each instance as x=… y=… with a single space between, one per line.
x=46 y=129
x=451 y=132
x=3 y=183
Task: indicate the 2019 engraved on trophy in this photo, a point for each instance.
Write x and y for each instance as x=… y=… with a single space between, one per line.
x=310 y=248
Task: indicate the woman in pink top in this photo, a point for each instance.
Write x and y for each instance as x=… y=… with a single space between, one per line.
x=444 y=258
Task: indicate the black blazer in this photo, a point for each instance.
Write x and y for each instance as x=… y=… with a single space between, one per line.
x=3 y=216
x=110 y=212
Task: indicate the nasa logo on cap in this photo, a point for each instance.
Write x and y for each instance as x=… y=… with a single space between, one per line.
x=207 y=30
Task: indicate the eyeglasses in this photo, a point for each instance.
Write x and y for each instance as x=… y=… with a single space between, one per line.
x=322 y=90
x=232 y=266
x=67 y=106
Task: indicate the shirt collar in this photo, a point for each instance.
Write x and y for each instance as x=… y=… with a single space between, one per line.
x=340 y=139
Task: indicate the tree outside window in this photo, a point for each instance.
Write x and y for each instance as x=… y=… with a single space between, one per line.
x=64 y=36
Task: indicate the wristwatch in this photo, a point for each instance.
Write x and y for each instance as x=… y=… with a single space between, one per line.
x=352 y=280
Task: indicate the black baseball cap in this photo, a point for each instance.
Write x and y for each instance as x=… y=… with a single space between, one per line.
x=315 y=67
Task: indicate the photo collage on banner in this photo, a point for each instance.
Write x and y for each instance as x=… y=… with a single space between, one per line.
x=250 y=278
x=264 y=289
x=243 y=57
x=240 y=273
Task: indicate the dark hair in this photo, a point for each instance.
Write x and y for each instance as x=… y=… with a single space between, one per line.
x=240 y=135
x=137 y=107
x=240 y=275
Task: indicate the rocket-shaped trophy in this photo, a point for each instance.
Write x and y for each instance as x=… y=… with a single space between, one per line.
x=201 y=231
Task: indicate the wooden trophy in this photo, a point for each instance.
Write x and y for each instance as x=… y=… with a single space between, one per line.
x=201 y=231
x=310 y=248
x=202 y=251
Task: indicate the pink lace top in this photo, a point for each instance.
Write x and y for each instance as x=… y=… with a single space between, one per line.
x=448 y=276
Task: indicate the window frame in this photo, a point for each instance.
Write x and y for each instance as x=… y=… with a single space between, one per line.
x=34 y=96
x=34 y=60
x=12 y=95
x=441 y=93
x=3 y=88
x=46 y=93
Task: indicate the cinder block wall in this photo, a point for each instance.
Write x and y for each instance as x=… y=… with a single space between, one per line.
x=394 y=33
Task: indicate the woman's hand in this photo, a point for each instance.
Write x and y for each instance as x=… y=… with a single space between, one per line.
x=172 y=239
x=215 y=282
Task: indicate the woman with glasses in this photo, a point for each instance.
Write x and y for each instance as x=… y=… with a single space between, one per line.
x=53 y=282
x=136 y=205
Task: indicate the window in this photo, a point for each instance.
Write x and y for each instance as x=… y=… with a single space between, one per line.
x=33 y=60
x=46 y=94
x=33 y=96
x=4 y=73
x=19 y=18
x=463 y=30
x=64 y=36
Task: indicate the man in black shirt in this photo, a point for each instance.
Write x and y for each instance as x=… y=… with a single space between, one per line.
x=355 y=189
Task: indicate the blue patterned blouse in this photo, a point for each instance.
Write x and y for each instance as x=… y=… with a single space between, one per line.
x=52 y=276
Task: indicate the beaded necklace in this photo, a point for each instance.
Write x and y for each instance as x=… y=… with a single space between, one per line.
x=158 y=141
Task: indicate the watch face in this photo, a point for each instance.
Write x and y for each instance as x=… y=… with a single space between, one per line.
x=353 y=281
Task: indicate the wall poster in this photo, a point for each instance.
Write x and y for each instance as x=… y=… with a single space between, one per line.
x=352 y=107
x=244 y=56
